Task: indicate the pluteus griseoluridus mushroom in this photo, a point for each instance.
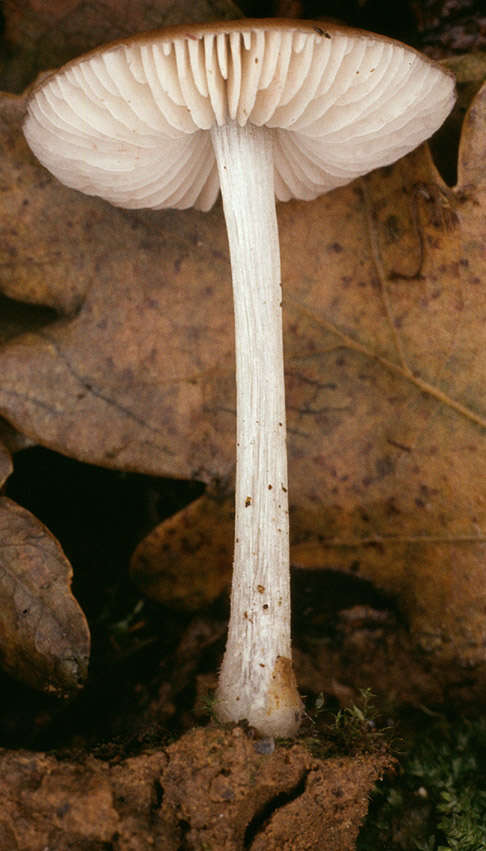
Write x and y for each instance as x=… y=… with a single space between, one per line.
x=257 y=109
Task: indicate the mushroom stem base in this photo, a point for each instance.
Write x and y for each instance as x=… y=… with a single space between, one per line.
x=256 y=680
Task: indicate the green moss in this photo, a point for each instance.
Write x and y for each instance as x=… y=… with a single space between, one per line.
x=358 y=728
x=437 y=799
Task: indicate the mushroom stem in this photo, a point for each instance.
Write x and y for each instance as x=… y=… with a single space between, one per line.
x=256 y=680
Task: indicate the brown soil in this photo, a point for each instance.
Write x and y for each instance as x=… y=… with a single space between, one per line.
x=213 y=789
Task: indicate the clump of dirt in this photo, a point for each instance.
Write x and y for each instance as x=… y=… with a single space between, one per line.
x=78 y=803
x=212 y=789
x=229 y=794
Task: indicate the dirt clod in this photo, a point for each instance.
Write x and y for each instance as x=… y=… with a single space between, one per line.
x=209 y=790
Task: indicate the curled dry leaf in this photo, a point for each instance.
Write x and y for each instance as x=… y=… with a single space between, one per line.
x=11 y=441
x=44 y=637
x=472 y=172
x=41 y=35
x=17 y=318
x=385 y=364
x=5 y=464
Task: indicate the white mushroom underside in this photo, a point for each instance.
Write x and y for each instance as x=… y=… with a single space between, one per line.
x=128 y=123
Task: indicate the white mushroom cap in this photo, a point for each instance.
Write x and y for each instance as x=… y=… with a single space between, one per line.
x=127 y=122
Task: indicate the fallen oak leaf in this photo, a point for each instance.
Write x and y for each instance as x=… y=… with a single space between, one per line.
x=119 y=412
x=44 y=637
x=142 y=325
x=134 y=308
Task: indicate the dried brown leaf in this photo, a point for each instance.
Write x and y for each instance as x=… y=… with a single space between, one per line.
x=44 y=637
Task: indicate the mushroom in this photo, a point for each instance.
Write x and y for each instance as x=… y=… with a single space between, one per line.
x=258 y=109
